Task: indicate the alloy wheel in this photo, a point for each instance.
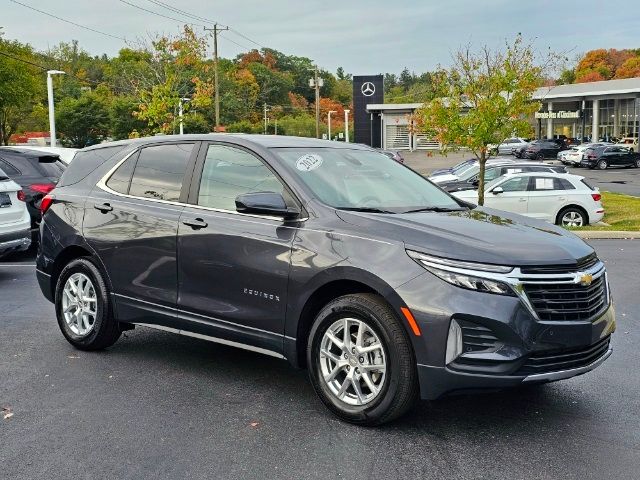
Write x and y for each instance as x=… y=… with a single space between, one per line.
x=572 y=219
x=79 y=304
x=353 y=361
x=602 y=165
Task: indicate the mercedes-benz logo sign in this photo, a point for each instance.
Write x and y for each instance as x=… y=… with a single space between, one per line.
x=368 y=89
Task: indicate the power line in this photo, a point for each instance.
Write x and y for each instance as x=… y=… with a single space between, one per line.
x=158 y=14
x=23 y=60
x=204 y=19
x=68 y=21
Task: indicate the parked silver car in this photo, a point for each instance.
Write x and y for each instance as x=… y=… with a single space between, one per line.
x=506 y=147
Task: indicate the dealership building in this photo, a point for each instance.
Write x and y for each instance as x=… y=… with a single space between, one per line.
x=592 y=110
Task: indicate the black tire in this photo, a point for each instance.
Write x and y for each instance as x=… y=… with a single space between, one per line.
x=106 y=330
x=637 y=163
x=602 y=164
x=576 y=210
x=400 y=388
x=540 y=156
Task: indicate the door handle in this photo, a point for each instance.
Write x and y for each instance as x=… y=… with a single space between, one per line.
x=104 y=208
x=522 y=200
x=196 y=223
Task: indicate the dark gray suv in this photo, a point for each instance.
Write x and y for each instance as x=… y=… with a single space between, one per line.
x=329 y=255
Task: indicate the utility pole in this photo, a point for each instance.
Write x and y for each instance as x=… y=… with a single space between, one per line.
x=317 y=82
x=216 y=29
x=265 y=118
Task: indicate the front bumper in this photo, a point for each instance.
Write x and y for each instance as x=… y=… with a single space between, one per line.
x=525 y=348
x=15 y=242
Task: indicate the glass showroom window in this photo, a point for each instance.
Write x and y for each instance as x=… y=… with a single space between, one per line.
x=607 y=118
x=628 y=117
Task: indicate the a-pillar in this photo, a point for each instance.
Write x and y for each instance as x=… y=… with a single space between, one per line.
x=550 y=121
x=595 y=125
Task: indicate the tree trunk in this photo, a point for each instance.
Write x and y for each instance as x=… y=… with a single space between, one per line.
x=483 y=161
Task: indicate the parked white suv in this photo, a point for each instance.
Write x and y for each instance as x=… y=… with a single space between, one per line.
x=15 y=223
x=628 y=142
x=558 y=198
x=574 y=155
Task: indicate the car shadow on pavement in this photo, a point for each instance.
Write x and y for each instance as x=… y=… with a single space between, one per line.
x=269 y=381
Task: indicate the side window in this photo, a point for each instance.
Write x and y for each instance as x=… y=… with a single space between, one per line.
x=544 y=183
x=229 y=172
x=159 y=171
x=490 y=174
x=563 y=184
x=8 y=168
x=518 y=184
x=120 y=180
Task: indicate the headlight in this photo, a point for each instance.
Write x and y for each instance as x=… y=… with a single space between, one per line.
x=469 y=275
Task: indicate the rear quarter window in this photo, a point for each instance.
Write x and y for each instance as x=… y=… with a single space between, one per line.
x=85 y=162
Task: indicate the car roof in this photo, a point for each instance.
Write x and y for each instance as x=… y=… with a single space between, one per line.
x=546 y=174
x=266 y=141
x=26 y=153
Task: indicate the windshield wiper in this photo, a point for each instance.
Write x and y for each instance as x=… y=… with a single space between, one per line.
x=365 y=209
x=437 y=209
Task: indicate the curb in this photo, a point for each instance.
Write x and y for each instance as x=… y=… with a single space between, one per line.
x=606 y=234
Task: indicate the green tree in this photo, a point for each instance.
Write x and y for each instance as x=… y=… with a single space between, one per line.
x=83 y=121
x=123 y=122
x=484 y=97
x=20 y=86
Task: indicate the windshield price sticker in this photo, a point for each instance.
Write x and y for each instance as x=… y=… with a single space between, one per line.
x=544 y=183
x=308 y=162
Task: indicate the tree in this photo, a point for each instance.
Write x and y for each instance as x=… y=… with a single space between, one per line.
x=494 y=89
x=629 y=69
x=122 y=121
x=83 y=121
x=21 y=83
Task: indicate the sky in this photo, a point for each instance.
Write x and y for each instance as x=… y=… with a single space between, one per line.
x=363 y=36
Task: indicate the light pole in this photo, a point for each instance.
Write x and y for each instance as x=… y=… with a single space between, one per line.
x=52 y=116
x=346 y=126
x=180 y=113
x=329 y=121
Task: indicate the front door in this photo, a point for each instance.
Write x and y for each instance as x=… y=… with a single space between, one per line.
x=513 y=198
x=233 y=268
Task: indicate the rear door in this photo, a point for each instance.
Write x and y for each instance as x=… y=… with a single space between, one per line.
x=547 y=196
x=233 y=268
x=131 y=221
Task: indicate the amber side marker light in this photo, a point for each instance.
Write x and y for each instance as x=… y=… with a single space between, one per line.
x=412 y=321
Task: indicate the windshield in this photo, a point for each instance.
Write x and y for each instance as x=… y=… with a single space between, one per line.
x=462 y=167
x=363 y=179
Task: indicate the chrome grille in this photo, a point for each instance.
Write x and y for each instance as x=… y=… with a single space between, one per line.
x=567 y=301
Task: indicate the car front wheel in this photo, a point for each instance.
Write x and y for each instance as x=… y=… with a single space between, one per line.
x=361 y=361
x=82 y=307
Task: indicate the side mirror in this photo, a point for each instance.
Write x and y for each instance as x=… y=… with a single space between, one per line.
x=475 y=182
x=265 y=203
x=497 y=190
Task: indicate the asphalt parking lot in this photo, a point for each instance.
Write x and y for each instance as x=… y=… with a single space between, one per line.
x=164 y=406
x=620 y=180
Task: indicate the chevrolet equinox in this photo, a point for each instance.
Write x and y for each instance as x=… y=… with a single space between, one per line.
x=330 y=255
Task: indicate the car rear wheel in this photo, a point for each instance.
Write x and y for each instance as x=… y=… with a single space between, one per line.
x=361 y=361
x=637 y=165
x=602 y=165
x=82 y=307
x=540 y=156
x=572 y=217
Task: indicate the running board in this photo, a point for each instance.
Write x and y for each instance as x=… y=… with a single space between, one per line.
x=222 y=341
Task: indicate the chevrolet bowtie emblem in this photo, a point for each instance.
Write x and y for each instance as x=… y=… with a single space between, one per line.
x=585 y=279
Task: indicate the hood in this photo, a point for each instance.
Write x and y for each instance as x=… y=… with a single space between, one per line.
x=441 y=171
x=479 y=235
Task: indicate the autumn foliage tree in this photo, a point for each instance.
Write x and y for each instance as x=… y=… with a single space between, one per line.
x=494 y=88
